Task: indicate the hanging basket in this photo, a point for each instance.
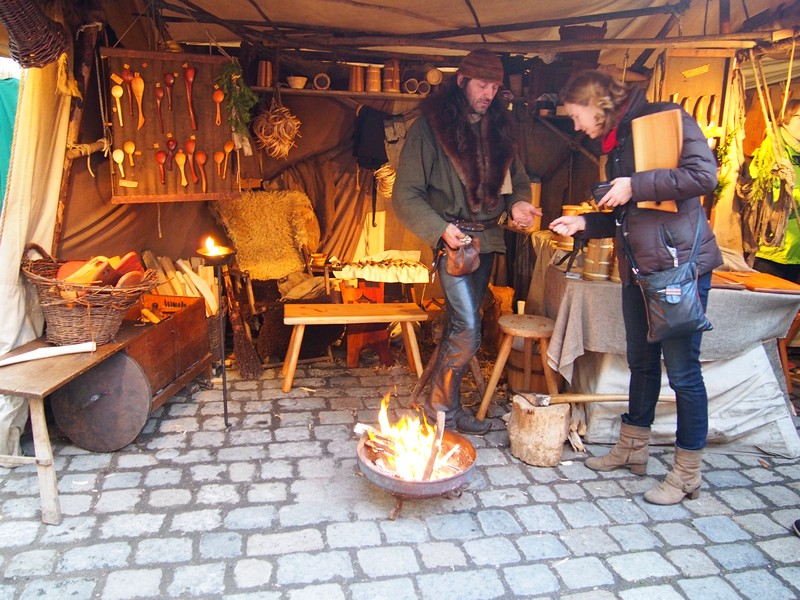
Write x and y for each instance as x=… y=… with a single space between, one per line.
x=79 y=313
x=34 y=40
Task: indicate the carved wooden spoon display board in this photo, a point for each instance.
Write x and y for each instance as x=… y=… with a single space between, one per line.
x=189 y=119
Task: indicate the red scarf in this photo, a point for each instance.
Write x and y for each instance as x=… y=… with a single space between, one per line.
x=609 y=141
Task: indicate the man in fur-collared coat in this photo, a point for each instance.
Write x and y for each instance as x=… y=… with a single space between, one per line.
x=458 y=173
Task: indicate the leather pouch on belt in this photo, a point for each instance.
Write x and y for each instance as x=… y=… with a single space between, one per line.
x=464 y=259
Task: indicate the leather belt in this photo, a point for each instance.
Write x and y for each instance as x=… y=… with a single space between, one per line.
x=474 y=226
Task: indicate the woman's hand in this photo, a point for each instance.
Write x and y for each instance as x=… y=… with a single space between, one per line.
x=523 y=214
x=620 y=193
x=568 y=225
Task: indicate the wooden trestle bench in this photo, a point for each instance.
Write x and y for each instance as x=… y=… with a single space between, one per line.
x=300 y=315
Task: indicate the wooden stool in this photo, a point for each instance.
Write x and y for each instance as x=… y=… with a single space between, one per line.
x=528 y=327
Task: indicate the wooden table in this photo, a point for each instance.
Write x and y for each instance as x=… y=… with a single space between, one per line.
x=36 y=379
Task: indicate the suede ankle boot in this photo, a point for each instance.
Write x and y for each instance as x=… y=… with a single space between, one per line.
x=682 y=482
x=632 y=450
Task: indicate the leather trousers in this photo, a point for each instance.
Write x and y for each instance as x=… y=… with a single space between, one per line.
x=461 y=337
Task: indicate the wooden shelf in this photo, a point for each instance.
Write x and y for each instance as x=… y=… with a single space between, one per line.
x=343 y=94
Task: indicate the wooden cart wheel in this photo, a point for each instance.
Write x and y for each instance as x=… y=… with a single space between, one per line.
x=107 y=407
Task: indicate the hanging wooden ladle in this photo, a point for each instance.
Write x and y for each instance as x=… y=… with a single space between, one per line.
x=169 y=81
x=161 y=159
x=180 y=160
x=129 y=148
x=117 y=91
x=219 y=156
x=201 y=158
x=138 y=92
x=190 y=145
x=119 y=158
x=188 y=75
x=218 y=97
x=172 y=143
x=228 y=147
x=127 y=77
x=159 y=92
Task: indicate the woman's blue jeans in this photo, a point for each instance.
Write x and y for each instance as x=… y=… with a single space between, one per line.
x=461 y=337
x=682 y=361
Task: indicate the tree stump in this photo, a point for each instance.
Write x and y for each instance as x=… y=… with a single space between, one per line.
x=538 y=433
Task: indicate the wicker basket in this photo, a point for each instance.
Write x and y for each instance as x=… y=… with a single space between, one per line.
x=34 y=40
x=79 y=313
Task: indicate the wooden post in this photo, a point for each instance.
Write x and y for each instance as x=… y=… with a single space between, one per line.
x=537 y=433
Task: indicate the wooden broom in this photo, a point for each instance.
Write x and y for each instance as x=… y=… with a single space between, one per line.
x=247 y=361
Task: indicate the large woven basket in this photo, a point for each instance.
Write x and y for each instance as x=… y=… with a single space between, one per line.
x=79 y=313
x=34 y=39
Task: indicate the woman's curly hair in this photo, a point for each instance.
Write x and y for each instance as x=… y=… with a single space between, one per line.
x=589 y=88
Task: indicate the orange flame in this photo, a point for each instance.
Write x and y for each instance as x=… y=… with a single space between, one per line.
x=413 y=440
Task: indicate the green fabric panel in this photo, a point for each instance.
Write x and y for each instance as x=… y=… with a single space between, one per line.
x=9 y=90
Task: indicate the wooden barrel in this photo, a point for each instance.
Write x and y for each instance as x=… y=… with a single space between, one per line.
x=597 y=259
x=515 y=372
x=373 y=78
x=356 y=79
x=391 y=76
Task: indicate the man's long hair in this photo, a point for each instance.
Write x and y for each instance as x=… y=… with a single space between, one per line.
x=456 y=112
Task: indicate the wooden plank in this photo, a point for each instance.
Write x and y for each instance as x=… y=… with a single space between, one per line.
x=760 y=282
x=151 y=262
x=342 y=314
x=657 y=144
x=720 y=282
x=170 y=272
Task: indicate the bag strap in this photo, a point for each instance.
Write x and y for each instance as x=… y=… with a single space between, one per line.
x=626 y=247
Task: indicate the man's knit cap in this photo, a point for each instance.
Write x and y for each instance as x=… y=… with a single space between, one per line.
x=482 y=64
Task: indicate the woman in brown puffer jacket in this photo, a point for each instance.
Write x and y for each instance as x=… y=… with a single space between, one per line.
x=604 y=108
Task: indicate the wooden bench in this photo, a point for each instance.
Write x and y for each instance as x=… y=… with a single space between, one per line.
x=300 y=315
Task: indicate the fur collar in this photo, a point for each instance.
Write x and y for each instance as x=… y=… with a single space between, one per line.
x=486 y=158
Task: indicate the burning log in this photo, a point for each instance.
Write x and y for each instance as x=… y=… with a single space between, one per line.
x=436 y=447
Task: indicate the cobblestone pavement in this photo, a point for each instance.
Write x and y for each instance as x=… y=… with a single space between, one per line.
x=274 y=507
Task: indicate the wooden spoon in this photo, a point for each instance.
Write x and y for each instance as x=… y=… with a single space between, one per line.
x=188 y=75
x=127 y=77
x=119 y=158
x=218 y=97
x=180 y=160
x=172 y=143
x=138 y=91
x=169 y=80
x=129 y=148
x=201 y=158
x=159 y=91
x=161 y=158
x=219 y=156
x=117 y=91
x=190 y=145
x=228 y=147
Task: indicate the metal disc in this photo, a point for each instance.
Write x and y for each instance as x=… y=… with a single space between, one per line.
x=105 y=408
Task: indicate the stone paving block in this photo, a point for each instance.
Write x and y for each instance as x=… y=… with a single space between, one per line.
x=303 y=540
x=593 y=595
x=163 y=550
x=540 y=547
x=310 y=513
x=404 y=530
x=29 y=564
x=198 y=580
x=582 y=514
x=69 y=483
x=209 y=473
x=569 y=491
x=453 y=527
x=759 y=525
x=162 y=476
x=196 y=520
x=441 y=555
x=692 y=562
x=72 y=530
x=726 y=479
x=634 y=537
x=132 y=583
x=581 y=573
x=387 y=561
x=250 y=518
x=708 y=505
x=394 y=589
x=622 y=510
x=492 y=551
x=591 y=540
x=538 y=518
x=131 y=525
x=708 y=587
x=638 y=566
x=791 y=575
x=531 y=580
x=761 y=475
x=678 y=534
x=168 y=497
x=494 y=522
x=477 y=584
x=542 y=493
x=785 y=550
x=294 y=568
x=506 y=476
x=655 y=592
x=128 y=479
x=118 y=501
x=720 y=529
x=221 y=544
x=94 y=557
x=760 y=584
x=603 y=488
x=676 y=512
x=15 y=534
x=352 y=535
x=741 y=499
x=503 y=497
x=325 y=591
x=778 y=495
x=263 y=493
x=77 y=588
x=737 y=556
x=252 y=573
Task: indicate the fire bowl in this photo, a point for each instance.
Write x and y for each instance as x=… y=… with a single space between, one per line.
x=406 y=490
x=220 y=258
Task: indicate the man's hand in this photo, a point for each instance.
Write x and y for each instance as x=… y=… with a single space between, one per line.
x=453 y=236
x=523 y=214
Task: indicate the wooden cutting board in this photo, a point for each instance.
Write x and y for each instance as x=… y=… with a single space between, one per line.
x=760 y=282
x=725 y=284
x=657 y=144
